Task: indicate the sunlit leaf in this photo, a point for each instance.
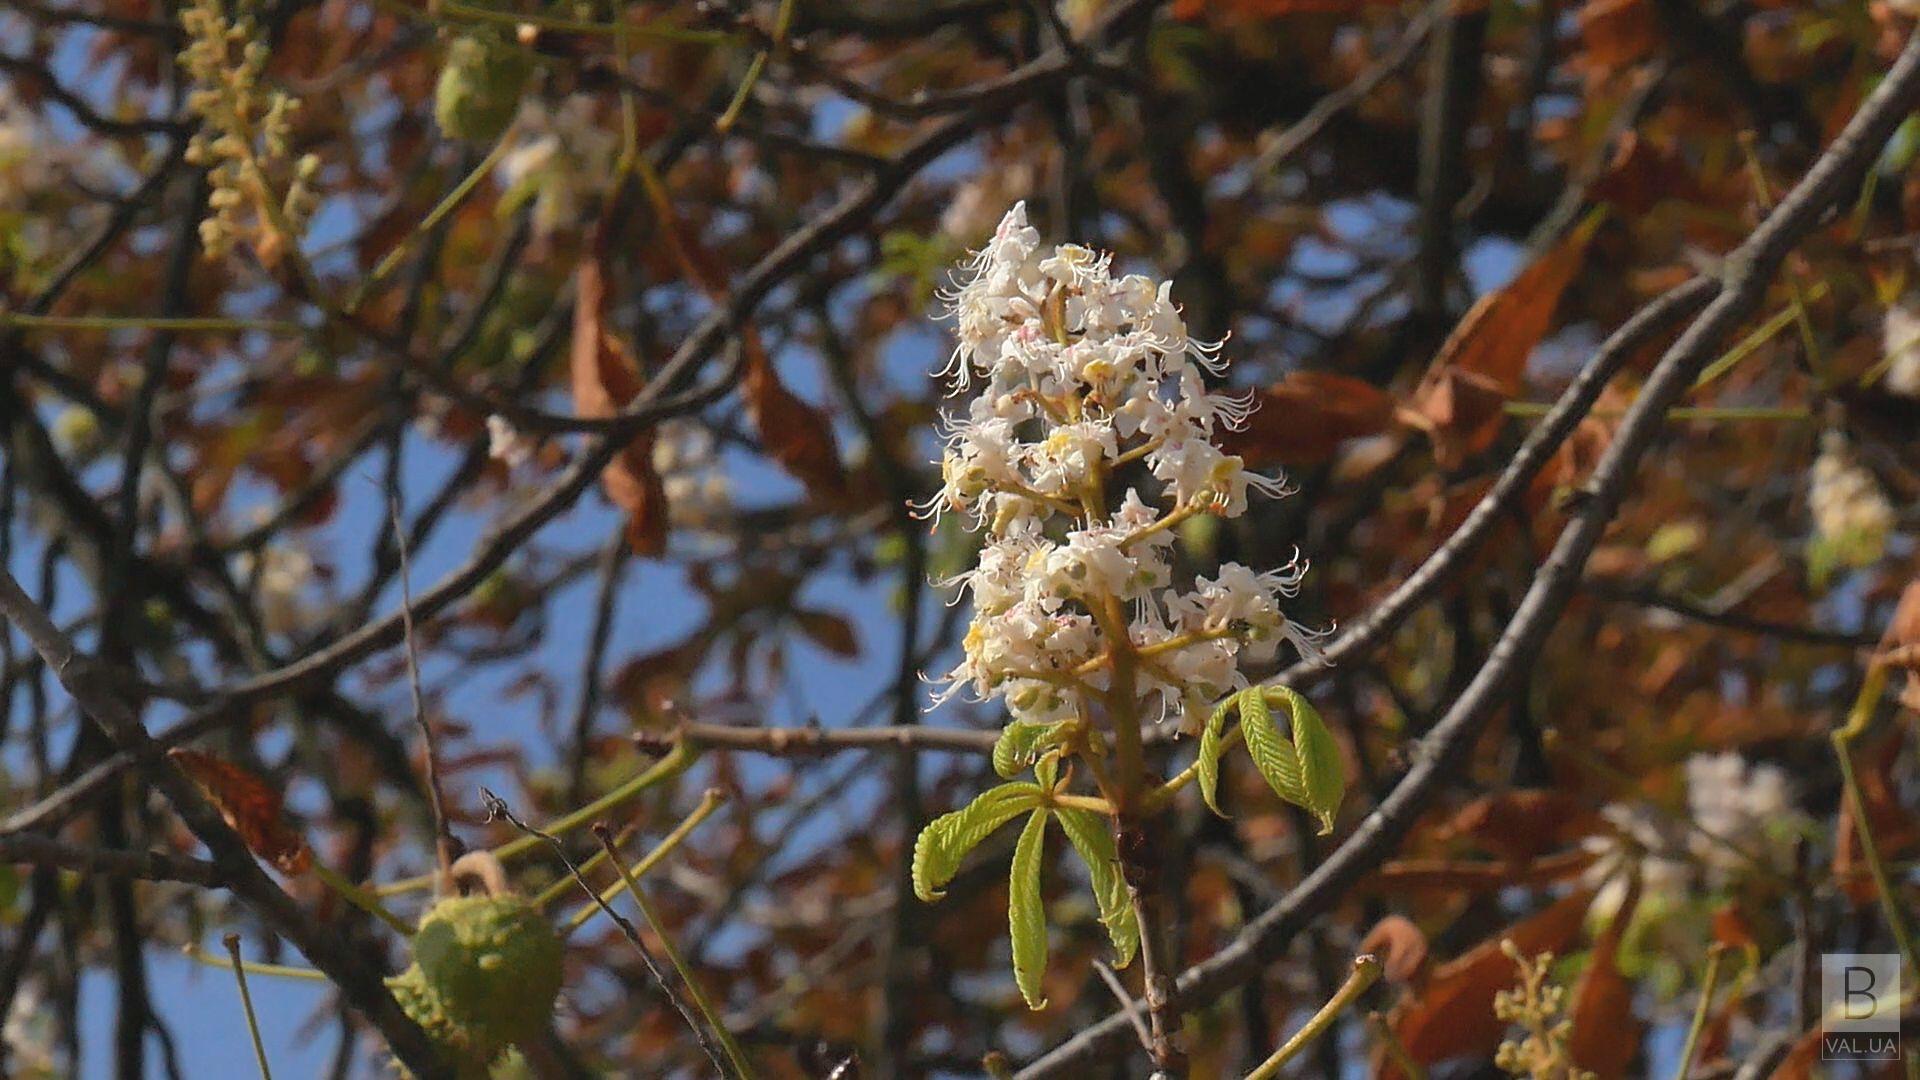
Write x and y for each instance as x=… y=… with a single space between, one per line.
x=944 y=843
x=1021 y=743
x=1026 y=913
x=1323 y=775
x=1092 y=836
x=1207 y=765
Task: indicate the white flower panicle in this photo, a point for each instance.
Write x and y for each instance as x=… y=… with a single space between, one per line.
x=1900 y=343
x=1741 y=820
x=1850 y=512
x=1079 y=374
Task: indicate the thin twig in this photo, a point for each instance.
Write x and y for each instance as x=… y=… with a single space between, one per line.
x=1126 y=1002
x=445 y=846
x=497 y=809
x=232 y=942
x=604 y=834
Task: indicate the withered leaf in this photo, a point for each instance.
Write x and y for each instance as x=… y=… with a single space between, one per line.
x=251 y=806
x=1453 y=1016
x=798 y=435
x=605 y=378
x=1606 y=1034
x=1303 y=419
x=1480 y=366
x=1402 y=947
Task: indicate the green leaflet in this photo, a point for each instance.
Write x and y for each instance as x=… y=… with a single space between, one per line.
x=1026 y=914
x=1208 y=764
x=1021 y=743
x=1092 y=837
x=947 y=839
x=1323 y=776
x=1273 y=753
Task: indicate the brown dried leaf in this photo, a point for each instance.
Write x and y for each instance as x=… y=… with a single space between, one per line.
x=1480 y=366
x=1606 y=1034
x=1617 y=33
x=1453 y=1016
x=798 y=435
x=251 y=806
x=1403 y=945
x=1303 y=419
x=829 y=631
x=1522 y=825
x=604 y=378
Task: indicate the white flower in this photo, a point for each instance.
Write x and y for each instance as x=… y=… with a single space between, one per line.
x=1901 y=343
x=1850 y=513
x=505 y=444
x=1745 y=814
x=688 y=463
x=1079 y=375
x=561 y=157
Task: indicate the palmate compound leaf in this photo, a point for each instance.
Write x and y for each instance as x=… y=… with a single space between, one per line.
x=1026 y=913
x=1022 y=742
x=945 y=841
x=1093 y=839
x=1304 y=769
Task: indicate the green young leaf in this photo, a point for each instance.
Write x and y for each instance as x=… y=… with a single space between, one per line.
x=1208 y=764
x=1026 y=915
x=1323 y=774
x=1092 y=837
x=1022 y=742
x=947 y=839
x=1273 y=753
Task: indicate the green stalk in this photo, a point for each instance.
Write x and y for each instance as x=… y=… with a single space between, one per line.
x=207 y=324
x=1708 y=982
x=278 y=971
x=1857 y=720
x=360 y=897
x=1366 y=971
x=676 y=762
x=391 y=261
x=246 y=1003
x=709 y=802
x=704 y=1004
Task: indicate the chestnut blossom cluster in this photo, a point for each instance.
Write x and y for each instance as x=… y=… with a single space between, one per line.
x=1851 y=515
x=1742 y=819
x=1083 y=380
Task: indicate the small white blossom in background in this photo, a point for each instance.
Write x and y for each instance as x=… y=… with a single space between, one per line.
x=1741 y=820
x=505 y=443
x=1851 y=515
x=28 y=1035
x=1745 y=813
x=1079 y=373
x=1900 y=345
x=688 y=462
x=282 y=576
x=562 y=158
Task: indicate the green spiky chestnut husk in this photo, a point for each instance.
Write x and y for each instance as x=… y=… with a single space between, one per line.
x=485 y=973
x=480 y=86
